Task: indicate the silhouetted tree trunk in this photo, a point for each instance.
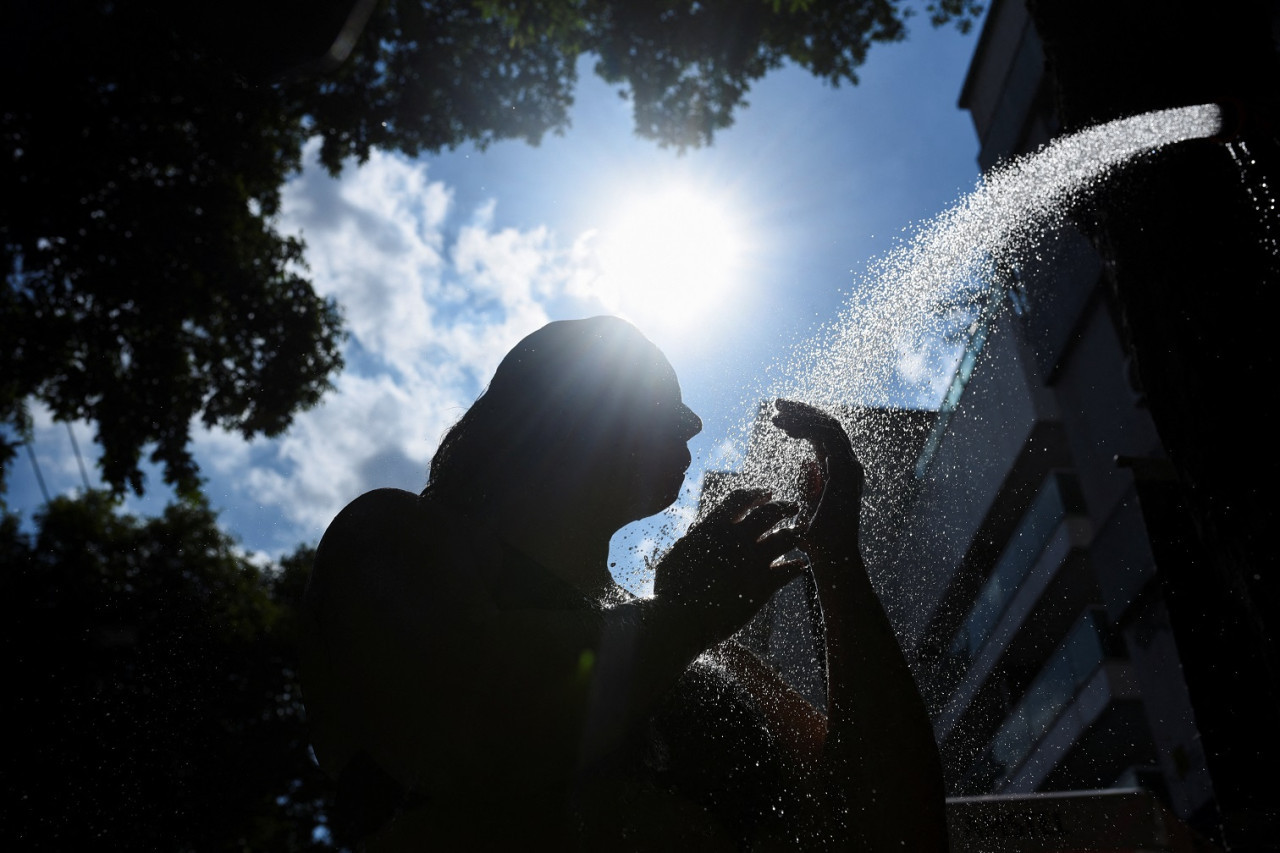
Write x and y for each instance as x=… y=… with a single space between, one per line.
x=1191 y=258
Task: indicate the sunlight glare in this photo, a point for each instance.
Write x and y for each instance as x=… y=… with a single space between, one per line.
x=669 y=256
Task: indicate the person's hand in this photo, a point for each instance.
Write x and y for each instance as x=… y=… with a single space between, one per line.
x=724 y=564
x=832 y=531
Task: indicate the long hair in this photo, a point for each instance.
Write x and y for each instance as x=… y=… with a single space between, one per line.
x=556 y=403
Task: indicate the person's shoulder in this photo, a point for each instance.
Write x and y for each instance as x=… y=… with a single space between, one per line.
x=379 y=505
x=389 y=533
x=384 y=513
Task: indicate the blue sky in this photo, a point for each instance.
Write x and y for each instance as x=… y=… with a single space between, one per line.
x=442 y=263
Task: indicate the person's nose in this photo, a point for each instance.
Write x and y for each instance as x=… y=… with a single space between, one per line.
x=690 y=422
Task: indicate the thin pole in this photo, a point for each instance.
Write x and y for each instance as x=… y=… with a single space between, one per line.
x=35 y=466
x=84 y=475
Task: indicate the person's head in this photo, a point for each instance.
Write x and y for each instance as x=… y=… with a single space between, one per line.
x=585 y=410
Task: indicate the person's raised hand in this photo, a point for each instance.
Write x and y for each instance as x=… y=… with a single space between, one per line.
x=832 y=531
x=725 y=566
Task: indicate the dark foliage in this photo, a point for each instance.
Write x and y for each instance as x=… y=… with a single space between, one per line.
x=144 y=147
x=430 y=75
x=145 y=283
x=152 y=687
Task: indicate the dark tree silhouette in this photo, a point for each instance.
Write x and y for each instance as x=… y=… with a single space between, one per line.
x=431 y=75
x=145 y=283
x=143 y=150
x=151 y=687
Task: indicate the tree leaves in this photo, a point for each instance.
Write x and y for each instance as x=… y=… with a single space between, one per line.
x=148 y=286
x=142 y=156
x=153 y=678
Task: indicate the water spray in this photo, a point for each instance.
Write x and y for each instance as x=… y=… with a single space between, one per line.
x=961 y=258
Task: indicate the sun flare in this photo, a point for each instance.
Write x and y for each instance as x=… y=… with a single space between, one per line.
x=669 y=255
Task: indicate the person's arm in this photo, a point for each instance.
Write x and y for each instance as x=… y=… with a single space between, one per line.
x=711 y=582
x=798 y=728
x=449 y=692
x=879 y=748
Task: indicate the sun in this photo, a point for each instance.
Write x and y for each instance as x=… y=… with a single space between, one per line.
x=669 y=255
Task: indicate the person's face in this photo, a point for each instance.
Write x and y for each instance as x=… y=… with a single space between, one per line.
x=655 y=453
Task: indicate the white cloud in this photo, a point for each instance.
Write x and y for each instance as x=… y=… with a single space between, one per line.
x=369 y=432
x=924 y=371
x=374 y=242
x=433 y=297
x=430 y=314
x=912 y=365
x=728 y=455
x=59 y=460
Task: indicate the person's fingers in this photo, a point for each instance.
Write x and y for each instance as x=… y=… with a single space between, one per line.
x=799 y=409
x=736 y=504
x=826 y=434
x=803 y=418
x=760 y=519
x=781 y=541
x=805 y=422
x=788 y=570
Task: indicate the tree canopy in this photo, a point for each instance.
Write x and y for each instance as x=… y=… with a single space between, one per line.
x=144 y=151
x=152 y=686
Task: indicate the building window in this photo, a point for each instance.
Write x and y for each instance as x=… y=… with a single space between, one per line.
x=1070 y=667
x=1056 y=498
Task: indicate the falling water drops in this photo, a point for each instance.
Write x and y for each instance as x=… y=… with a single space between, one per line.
x=895 y=336
x=956 y=265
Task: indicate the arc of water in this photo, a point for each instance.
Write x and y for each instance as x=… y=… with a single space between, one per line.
x=854 y=360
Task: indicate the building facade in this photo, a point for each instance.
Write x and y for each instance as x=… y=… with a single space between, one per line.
x=1024 y=538
x=1040 y=624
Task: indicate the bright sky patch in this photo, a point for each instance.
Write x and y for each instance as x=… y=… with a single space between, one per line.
x=668 y=256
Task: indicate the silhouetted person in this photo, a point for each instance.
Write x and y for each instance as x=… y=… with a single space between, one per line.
x=476 y=680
